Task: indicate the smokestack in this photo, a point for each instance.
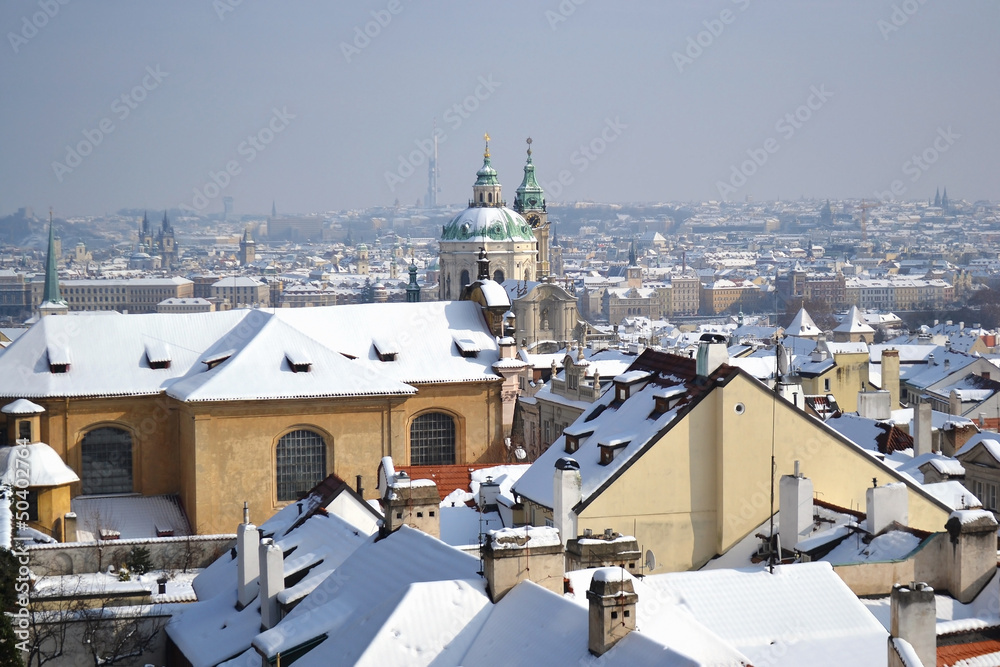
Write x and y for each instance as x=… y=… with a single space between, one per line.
x=612 y=601
x=913 y=618
x=566 y=494
x=795 y=502
x=247 y=563
x=890 y=376
x=922 y=429
x=272 y=582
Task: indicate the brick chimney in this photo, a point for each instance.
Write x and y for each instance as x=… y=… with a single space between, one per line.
x=890 y=376
x=414 y=502
x=247 y=561
x=512 y=555
x=913 y=618
x=612 y=601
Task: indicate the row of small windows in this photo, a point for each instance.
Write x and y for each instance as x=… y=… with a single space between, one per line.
x=300 y=456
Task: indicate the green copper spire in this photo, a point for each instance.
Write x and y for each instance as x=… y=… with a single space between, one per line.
x=51 y=293
x=530 y=196
x=413 y=289
x=487 y=175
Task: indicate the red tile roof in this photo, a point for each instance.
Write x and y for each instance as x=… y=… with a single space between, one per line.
x=949 y=655
x=448 y=477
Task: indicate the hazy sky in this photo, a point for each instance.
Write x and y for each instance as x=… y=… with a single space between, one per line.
x=627 y=101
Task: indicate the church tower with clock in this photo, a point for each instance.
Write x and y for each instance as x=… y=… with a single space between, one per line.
x=530 y=203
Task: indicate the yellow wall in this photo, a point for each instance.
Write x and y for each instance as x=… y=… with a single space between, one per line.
x=216 y=455
x=848 y=376
x=706 y=484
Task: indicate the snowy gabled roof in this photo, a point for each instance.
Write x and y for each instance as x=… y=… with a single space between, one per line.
x=853 y=323
x=494 y=293
x=802 y=325
x=354 y=609
x=110 y=356
x=611 y=420
x=212 y=630
x=271 y=360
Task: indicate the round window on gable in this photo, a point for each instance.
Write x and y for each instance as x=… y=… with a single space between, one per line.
x=739 y=408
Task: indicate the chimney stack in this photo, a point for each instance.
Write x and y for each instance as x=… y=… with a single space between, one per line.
x=922 y=428
x=272 y=582
x=795 y=502
x=512 y=555
x=913 y=618
x=890 y=376
x=247 y=563
x=886 y=504
x=612 y=601
x=566 y=494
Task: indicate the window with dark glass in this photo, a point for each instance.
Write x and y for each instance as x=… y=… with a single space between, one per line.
x=301 y=463
x=106 y=455
x=432 y=439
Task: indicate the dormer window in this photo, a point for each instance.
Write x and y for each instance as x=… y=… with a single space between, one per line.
x=217 y=359
x=298 y=362
x=385 y=349
x=611 y=448
x=59 y=360
x=573 y=437
x=157 y=354
x=468 y=347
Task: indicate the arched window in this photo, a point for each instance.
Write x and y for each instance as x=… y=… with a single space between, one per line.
x=301 y=463
x=464 y=277
x=498 y=276
x=106 y=457
x=491 y=197
x=432 y=439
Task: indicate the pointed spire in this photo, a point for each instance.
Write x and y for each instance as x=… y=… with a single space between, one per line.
x=631 y=254
x=165 y=225
x=274 y=210
x=530 y=195
x=51 y=293
x=145 y=223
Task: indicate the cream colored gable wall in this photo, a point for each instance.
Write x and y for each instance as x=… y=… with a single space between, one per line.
x=848 y=376
x=705 y=484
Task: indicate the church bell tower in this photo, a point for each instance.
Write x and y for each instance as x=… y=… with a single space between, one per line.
x=530 y=203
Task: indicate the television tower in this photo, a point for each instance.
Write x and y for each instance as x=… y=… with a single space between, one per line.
x=432 y=173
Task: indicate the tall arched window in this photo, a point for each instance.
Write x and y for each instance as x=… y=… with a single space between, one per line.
x=301 y=463
x=498 y=276
x=464 y=278
x=106 y=457
x=432 y=439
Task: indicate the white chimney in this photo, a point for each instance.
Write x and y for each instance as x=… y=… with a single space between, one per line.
x=566 y=493
x=922 y=429
x=886 y=504
x=247 y=561
x=875 y=404
x=795 y=502
x=272 y=582
x=913 y=618
x=489 y=491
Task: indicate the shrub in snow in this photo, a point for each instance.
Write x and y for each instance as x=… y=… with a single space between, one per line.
x=138 y=560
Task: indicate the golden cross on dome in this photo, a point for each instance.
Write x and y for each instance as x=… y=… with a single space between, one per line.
x=487 y=137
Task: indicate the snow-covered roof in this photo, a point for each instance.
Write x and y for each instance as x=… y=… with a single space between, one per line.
x=41 y=463
x=22 y=406
x=802 y=325
x=494 y=293
x=132 y=516
x=853 y=323
x=110 y=356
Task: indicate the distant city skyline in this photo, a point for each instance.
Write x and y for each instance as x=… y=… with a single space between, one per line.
x=117 y=105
